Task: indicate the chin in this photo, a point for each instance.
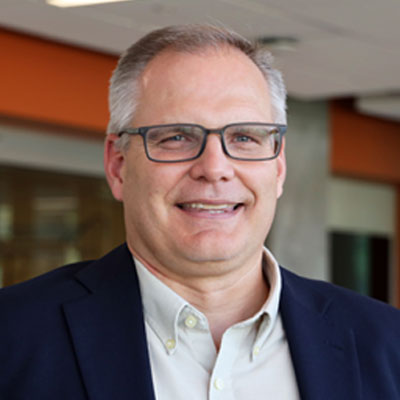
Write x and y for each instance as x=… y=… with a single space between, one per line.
x=211 y=249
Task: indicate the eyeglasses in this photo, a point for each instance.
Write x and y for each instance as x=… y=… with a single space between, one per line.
x=248 y=141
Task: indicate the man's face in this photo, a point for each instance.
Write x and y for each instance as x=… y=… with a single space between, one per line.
x=208 y=216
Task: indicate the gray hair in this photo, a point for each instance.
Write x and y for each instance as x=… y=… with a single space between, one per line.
x=124 y=83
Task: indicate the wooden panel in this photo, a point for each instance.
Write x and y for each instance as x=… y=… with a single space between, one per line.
x=53 y=83
x=363 y=146
x=49 y=227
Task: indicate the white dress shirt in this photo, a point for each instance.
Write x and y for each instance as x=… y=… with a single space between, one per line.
x=253 y=361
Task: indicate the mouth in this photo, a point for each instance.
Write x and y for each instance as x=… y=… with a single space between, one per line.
x=210 y=208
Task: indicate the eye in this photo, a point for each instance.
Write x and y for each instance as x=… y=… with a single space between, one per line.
x=175 y=138
x=247 y=137
x=241 y=137
x=160 y=136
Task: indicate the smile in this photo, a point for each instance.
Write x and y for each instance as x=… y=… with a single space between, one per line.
x=210 y=208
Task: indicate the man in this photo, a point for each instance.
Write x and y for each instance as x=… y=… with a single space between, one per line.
x=193 y=306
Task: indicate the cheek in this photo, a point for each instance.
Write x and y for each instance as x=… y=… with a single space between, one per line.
x=136 y=188
x=151 y=186
x=269 y=198
x=276 y=180
x=267 y=192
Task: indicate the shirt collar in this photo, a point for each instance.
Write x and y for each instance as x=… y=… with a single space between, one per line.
x=164 y=309
x=268 y=313
x=162 y=306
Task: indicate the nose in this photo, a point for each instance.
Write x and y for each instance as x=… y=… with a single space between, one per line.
x=213 y=165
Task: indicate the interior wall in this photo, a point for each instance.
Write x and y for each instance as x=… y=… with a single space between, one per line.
x=368 y=148
x=54 y=83
x=363 y=146
x=361 y=206
x=32 y=147
x=298 y=238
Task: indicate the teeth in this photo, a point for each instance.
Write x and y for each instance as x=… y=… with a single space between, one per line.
x=211 y=207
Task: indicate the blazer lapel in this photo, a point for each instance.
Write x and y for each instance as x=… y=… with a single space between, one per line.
x=107 y=330
x=323 y=354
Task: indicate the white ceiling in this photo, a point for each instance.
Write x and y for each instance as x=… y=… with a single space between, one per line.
x=345 y=48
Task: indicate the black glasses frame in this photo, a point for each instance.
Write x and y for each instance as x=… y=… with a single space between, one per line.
x=142 y=131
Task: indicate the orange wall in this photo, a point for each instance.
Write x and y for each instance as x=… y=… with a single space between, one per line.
x=53 y=83
x=363 y=146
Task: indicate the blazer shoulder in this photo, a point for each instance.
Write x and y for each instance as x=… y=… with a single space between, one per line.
x=343 y=304
x=63 y=284
x=364 y=330
x=54 y=286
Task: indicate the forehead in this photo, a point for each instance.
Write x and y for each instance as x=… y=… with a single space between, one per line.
x=212 y=79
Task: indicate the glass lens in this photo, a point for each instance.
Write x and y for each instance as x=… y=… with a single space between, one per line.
x=174 y=142
x=252 y=141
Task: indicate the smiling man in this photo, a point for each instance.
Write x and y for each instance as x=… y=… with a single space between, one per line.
x=193 y=305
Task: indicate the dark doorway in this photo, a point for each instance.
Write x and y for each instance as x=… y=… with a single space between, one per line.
x=361 y=262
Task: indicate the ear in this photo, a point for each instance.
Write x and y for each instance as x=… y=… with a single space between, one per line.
x=281 y=169
x=113 y=166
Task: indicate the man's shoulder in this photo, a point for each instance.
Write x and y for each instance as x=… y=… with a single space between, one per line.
x=324 y=320
x=57 y=286
x=31 y=314
x=343 y=305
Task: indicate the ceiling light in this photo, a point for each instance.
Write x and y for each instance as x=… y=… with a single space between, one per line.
x=78 y=3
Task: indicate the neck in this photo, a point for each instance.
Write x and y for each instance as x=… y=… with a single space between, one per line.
x=224 y=300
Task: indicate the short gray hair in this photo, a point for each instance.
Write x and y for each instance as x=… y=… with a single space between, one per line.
x=124 y=83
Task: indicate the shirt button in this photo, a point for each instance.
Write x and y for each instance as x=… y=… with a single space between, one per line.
x=219 y=384
x=256 y=351
x=170 y=343
x=191 y=321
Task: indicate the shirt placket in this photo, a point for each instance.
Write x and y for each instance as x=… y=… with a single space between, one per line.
x=220 y=385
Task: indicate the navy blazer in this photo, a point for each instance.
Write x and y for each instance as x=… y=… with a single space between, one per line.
x=78 y=333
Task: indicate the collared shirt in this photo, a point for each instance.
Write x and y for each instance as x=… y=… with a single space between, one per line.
x=253 y=361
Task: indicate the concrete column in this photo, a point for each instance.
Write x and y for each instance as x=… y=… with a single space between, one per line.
x=299 y=237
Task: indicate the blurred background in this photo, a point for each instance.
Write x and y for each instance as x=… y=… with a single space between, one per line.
x=339 y=218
